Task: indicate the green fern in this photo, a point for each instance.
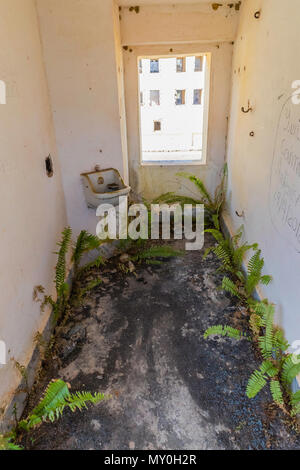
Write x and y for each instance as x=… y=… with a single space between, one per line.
x=265 y=341
x=219 y=330
x=90 y=286
x=172 y=198
x=157 y=252
x=58 y=397
x=255 y=266
x=295 y=403
x=280 y=344
x=85 y=242
x=213 y=204
x=255 y=323
x=7 y=443
x=258 y=379
x=229 y=286
x=290 y=368
x=230 y=252
x=60 y=270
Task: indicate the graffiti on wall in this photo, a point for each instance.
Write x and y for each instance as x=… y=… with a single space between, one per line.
x=285 y=176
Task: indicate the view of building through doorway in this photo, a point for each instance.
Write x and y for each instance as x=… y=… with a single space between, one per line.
x=173 y=106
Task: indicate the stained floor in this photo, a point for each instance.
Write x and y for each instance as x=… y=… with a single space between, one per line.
x=139 y=337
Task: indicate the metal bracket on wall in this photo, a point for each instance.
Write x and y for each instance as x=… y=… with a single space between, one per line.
x=244 y=110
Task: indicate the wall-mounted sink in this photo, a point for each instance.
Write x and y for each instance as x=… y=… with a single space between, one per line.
x=104 y=187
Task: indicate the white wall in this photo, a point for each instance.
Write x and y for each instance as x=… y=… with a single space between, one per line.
x=265 y=65
x=31 y=204
x=82 y=64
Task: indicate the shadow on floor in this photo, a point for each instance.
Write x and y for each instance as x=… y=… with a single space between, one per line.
x=140 y=338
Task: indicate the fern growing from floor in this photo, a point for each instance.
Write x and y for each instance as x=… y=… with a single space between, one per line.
x=213 y=204
x=219 y=330
x=279 y=368
x=62 y=287
x=151 y=255
x=85 y=242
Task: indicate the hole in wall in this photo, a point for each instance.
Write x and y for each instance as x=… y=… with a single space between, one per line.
x=49 y=166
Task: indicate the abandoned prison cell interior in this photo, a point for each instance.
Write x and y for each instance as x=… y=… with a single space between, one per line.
x=150 y=225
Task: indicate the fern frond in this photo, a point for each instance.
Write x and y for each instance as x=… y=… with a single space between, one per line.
x=216 y=222
x=172 y=198
x=223 y=253
x=56 y=398
x=255 y=323
x=276 y=392
x=258 y=379
x=266 y=280
x=200 y=186
x=85 y=242
x=229 y=286
x=256 y=383
x=90 y=286
x=291 y=368
x=261 y=308
x=60 y=270
x=255 y=264
x=48 y=301
x=236 y=238
x=266 y=341
x=239 y=254
x=163 y=251
x=279 y=341
x=207 y=252
x=295 y=410
x=295 y=398
x=255 y=267
x=6 y=443
x=80 y=400
x=50 y=407
x=219 y=330
x=99 y=261
x=217 y=234
x=295 y=403
x=269 y=369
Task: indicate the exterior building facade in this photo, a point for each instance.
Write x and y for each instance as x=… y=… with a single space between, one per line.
x=172 y=107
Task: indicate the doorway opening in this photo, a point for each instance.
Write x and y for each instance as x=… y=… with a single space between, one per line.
x=173 y=108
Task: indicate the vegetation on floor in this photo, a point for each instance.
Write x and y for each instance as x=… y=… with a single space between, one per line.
x=57 y=396
x=279 y=367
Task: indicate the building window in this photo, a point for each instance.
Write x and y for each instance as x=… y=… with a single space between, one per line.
x=199 y=63
x=180 y=64
x=173 y=107
x=157 y=126
x=179 y=97
x=197 y=96
x=154 y=66
x=140 y=66
x=154 y=98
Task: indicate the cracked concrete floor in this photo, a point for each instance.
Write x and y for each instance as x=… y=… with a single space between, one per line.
x=140 y=338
